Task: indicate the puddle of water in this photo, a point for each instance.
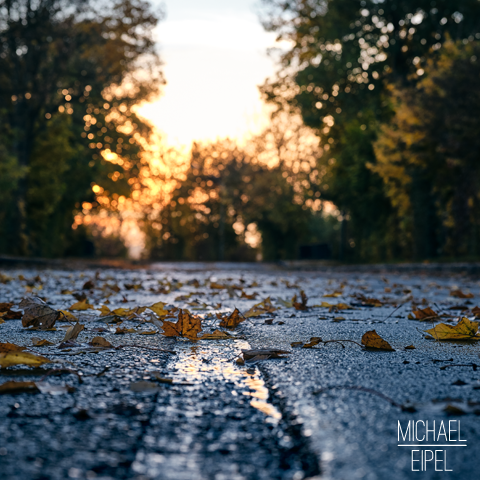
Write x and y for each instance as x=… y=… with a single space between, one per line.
x=195 y=364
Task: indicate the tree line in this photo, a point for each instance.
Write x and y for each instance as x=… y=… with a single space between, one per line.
x=371 y=150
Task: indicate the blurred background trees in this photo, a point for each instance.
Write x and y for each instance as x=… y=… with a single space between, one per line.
x=371 y=153
x=69 y=78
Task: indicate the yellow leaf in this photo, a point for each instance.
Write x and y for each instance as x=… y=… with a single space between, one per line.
x=216 y=335
x=83 y=305
x=463 y=330
x=120 y=331
x=373 y=340
x=104 y=311
x=333 y=295
x=159 y=309
x=10 y=347
x=21 y=358
x=148 y=332
x=313 y=341
x=69 y=316
x=261 y=308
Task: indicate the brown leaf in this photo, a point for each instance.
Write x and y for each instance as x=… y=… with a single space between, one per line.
x=159 y=309
x=300 y=305
x=38 y=342
x=313 y=341
x=260 y=308
x=120 y=331
x=12 y=387
x=233 y=320
x=252 y=296
x=100 y=342
x=216 y=335
x=21 y=358
x=187 y=326
x=459 y=294
x=88 y=285
x=38 y=314
x=424 y=314
x=271 y=353
x=72 y=332
x=373 y=340
x=10 y=347
x=9 y=314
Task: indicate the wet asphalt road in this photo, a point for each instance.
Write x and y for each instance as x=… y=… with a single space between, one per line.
x=275 y=419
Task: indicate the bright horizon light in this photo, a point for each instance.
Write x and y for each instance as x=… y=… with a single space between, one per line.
x=215 y=55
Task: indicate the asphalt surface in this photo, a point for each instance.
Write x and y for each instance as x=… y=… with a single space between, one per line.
x=329 y=412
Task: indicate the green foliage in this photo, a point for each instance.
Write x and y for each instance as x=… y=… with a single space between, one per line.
x=342 y=56
x=68 y=81
x=428 y=153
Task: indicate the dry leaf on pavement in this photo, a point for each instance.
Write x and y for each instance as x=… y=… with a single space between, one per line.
x=302 y=305
x=187 y=326
x=72 y=332
x=13 y=387
x=373 y=340
x=10 y=347
x=38 y=314
x=216 y=335
x=9 y=314
x=423 y=314
x=459 y=294
x=21 y=358
x=100 y=342
x=81 y=305
x=463 y=330
x=233 y=320
x=38 y=342
x=260 y=308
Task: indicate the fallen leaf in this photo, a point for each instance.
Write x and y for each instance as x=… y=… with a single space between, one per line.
x=410 y=347
x=88 y=285
x=233 y=320
x=120 y=331
x=68 y=316
x=148 y=332
x=260 y=308
x=104 y=310
x=373 y=340
x=38 y=314
x=10 y=347
x=463 y=330
x=100 y=342
x=8 y=313
x=12 y=387
x=187 y=326
x=252 y=296
x=313 y=341
x=459 y=294
x=8 y=359
x=81 y=305
x=38 y=342
x=216 y=335
x=72 y=332
x=302 y=305
x=333 y=295
x=127 y=312
x=249 y=355
x=423 y=314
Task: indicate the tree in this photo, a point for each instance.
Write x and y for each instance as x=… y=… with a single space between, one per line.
x=435 y=135
x=69 y=77
x=342 y=55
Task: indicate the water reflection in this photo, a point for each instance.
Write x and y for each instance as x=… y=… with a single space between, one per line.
x=198 y=363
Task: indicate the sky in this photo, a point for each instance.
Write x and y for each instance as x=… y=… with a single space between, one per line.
x=215 y=56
